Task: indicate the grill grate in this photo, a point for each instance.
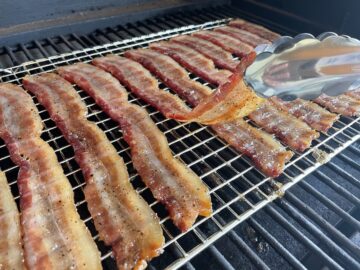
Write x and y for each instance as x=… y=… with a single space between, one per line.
x=238 y=190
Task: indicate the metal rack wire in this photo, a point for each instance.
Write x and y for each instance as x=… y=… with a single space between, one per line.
x=237 y=188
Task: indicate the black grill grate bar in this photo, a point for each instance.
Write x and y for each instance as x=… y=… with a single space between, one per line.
x=291 y=259
x=225 y=264
x=335 y=249
x=336 y=235
x=337 y=188
x=299 y=235
x=331 y=205
x=345 y=174
x=255 y=259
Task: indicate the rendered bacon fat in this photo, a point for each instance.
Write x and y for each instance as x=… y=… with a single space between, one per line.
x=344 y=104
x=11 y=253
x=221 y=58
x=123 y=219
x=255 y=29
x=268 y=154
x=171 y=182
x=224 y=104
x=244 y=36
x=226 y=42
x=53 y=234
x=193 y=60
x=292 y=131
x=309 y=112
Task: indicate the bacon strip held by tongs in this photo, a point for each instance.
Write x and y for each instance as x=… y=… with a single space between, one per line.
x=193 y=61
x=54 y=236
x=312 y=114
x=171 y=182
x=290 y=130
x=224 y=104
x=226 y=42
x=123 y=219
x=11 y=252
x=245 y=36
x=255 y=29
x=221 y=58
x=345 y=104
x=268 y=154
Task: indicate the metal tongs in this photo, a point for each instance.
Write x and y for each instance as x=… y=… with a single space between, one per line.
x=306 y=67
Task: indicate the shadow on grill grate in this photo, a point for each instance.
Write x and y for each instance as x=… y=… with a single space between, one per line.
x=237 y=189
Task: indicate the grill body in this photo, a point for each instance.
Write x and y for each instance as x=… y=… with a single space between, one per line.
x=256 y=224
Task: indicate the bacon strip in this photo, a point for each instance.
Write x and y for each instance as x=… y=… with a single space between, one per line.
x=172 y=74
x=342 y=104
x=54 y=235
x=255 y=29
x=309 y=112
x=268 y=154
x=11 y=253
x=193 y=60
x=287 y=128
x=244 y=36
x=221 y=58
x=171 y=182
x=123 y=219
x=224 y=104
x=226 y=42
x=354 y=94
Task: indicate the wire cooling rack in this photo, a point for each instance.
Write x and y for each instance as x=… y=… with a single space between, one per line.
x=237 y=188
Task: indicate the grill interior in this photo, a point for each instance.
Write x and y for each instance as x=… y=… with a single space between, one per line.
x=238 y=190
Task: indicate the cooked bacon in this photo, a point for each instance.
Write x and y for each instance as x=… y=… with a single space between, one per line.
x=267 y=153
x=123 y=219
x=193 y=61
x=315 y=116
x=53 y=234
x=221 y=58
x=171 y=182
x=290 y=130
x=11 y=253
x=342 y=104
x=255 y=29
x=224 y=104
x=226 y=42
x=354 y=94
x=245 y=36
